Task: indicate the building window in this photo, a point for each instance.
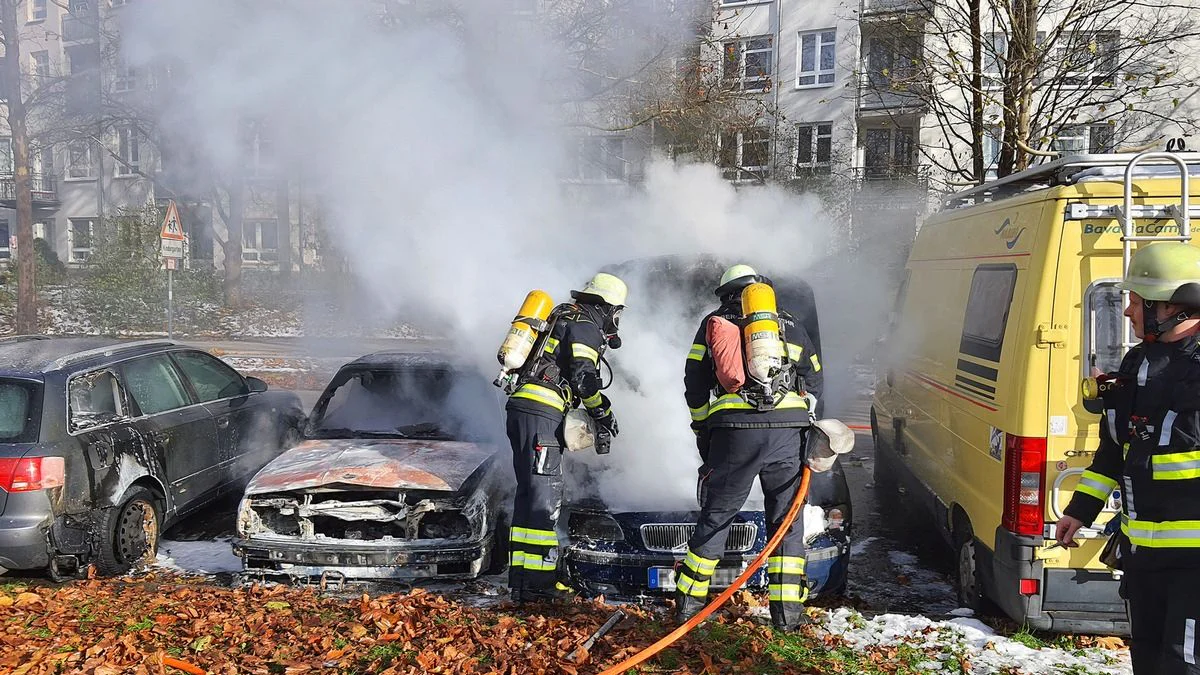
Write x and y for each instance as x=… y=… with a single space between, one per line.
x=260 y=241
x=128 y=154
x=259 y=150
x=746 y=154
x=81 y=234
x=993 y=141
x=814 y=148
x=1085 y=59
x=889 y=153
x=39 y=64
x=747 y=64
x=124 y=77
x=600 y=158
x=1092 y=139
x=6 y=245
x=79 y=160
x=6 y=156
x=38 y=10
x=817 y=58
x=44 y=230
x=892 y=60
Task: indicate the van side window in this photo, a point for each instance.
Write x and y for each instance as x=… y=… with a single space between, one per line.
x=154 y=384
x=1105 y=317
x=95 y=398
x=987 y=311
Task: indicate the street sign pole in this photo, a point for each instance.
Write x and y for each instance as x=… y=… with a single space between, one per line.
x=171 y=249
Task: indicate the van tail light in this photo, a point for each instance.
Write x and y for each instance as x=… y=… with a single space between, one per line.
x=27 y=474
x=1024 y=484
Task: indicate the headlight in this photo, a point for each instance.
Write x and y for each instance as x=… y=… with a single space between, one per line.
x=595 y=526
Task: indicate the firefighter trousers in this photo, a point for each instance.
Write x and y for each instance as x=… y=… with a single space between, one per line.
x=537 y=448
x=1164 y=610
x=735 y=457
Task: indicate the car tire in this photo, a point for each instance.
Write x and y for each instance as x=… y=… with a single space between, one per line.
x=968 y=583
x=883 y=473
x=499 y=560
x=131 y=533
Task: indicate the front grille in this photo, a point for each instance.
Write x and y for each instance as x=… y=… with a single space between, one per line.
x=673 y=537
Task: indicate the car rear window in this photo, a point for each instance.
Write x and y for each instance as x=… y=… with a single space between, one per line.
x=20 y=411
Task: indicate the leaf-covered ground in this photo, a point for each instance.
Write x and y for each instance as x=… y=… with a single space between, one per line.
x=163 y=624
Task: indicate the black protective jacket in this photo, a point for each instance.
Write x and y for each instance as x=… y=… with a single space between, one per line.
x=713 y=407
x=1150 y=451
x=568 y=373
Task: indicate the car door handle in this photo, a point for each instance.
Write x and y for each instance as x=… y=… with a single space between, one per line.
x=162 y=437
x=223 y=423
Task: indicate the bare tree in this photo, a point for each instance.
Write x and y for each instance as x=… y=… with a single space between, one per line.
x=26 y=317
x=1024 y=76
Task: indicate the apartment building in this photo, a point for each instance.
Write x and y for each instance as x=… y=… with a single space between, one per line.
x=850 y=84
x=93 y=156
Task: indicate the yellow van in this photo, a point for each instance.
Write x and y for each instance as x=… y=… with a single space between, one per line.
x=1008 y=302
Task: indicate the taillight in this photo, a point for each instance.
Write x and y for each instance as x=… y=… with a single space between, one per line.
x=1024 y=484
x=26 y=474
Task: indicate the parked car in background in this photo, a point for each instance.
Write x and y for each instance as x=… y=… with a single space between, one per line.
x=631 y=553
x=404 y=475
x=104 y=444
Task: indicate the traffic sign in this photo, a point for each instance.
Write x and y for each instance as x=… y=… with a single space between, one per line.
x=171 y=229
x=172 y=248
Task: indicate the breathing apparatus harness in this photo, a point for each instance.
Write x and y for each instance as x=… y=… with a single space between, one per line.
x=1153 y=329
x=764 y=396
x=541 y=368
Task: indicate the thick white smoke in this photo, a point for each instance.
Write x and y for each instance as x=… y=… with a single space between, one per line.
x=435 y=149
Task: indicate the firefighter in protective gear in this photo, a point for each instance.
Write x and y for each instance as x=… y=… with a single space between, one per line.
x=1150 y=451
x=565 y=375
x=737 y=441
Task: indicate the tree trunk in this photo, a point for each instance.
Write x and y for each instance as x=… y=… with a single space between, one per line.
x=283 y=213
x=232 y=245
x=26 y=318
x=978 y=168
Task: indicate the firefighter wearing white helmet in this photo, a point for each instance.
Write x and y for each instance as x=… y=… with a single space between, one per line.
x=562 y=374
x=748 y=423
x=1149 y=450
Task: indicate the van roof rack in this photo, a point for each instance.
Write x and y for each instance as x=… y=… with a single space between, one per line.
x=109 y=350
x=1064 y=171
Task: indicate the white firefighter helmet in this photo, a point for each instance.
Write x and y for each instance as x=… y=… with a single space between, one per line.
x=606 y=287
x=826 y=440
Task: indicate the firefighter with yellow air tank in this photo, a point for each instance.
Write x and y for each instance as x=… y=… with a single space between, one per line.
x=550 y=364
x=750 y=414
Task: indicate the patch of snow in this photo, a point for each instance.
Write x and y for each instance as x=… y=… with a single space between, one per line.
x=902 y=558
x=198 y=557
x=962 y=611
x=860 y=547
x=969 y=639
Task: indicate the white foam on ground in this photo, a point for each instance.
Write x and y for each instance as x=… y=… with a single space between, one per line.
x=198 y=557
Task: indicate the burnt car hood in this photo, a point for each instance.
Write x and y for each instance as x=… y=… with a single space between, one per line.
x=374 y=463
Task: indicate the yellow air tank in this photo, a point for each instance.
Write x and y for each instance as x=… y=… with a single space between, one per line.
x=521 y=336
x=761 y=336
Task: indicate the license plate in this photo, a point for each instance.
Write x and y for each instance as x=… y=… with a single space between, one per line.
x=663 y=578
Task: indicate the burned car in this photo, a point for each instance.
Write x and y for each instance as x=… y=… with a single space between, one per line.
x=104 y=444
x=403 y=475
x=632 y=553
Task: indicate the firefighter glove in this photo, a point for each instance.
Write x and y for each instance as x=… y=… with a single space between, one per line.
x=607 y=421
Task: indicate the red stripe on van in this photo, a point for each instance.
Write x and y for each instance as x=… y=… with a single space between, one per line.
x=941 y=387
x=975 y=257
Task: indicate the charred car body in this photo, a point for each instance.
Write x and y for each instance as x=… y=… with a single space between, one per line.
x=104 y=444
x=631 y=553
x=402 y=476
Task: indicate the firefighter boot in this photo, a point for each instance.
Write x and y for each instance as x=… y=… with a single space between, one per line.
x=789 y=619
x=560 y=593
x=686 y=607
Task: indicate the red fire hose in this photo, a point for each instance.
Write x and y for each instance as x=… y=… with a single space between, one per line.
x=716 y=603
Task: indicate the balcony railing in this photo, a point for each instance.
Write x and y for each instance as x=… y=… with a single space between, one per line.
x=891 y=186
x=44 y=189
x=79 y=29
x=880 y=7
